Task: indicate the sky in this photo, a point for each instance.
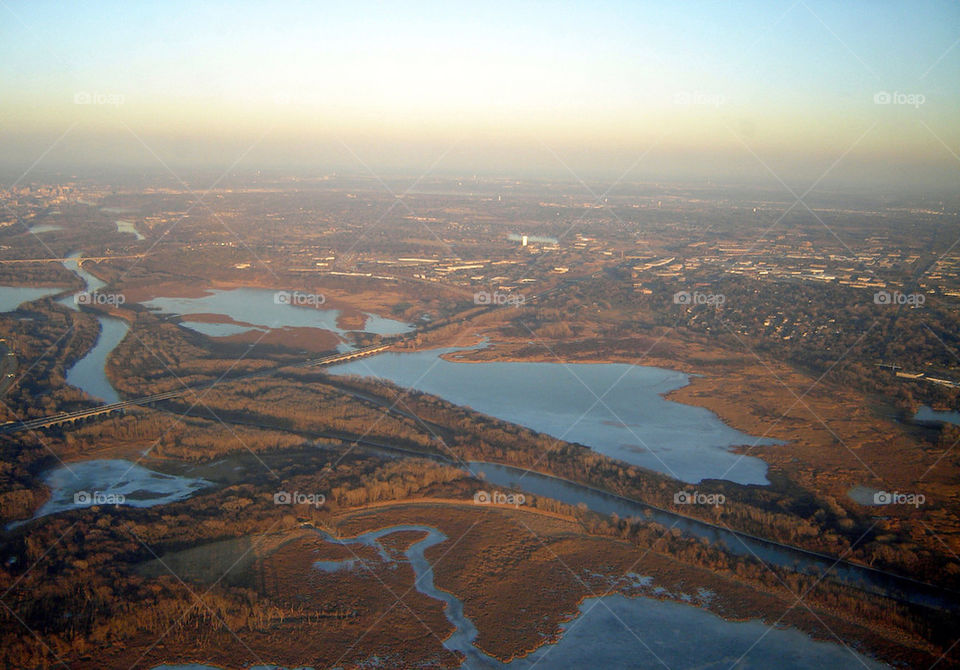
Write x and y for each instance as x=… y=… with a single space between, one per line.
x=795 y=91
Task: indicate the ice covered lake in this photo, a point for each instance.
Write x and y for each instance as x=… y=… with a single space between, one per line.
x=87 y=483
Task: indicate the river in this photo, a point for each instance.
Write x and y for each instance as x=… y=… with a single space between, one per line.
x=610 y=631
x=89 y=373
x=11 y=297
x=861 y=577
x=614 y=631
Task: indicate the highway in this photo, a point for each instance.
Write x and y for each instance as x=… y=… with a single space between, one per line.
x=117 y=407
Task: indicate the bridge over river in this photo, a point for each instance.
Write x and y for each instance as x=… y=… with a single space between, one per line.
x=69 y=418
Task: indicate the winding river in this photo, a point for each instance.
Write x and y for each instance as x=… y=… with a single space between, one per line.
x=614 y=631
x=89 y=373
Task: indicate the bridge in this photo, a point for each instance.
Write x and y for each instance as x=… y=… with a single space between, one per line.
x=69 y=418
x=119 y=407
x=83 y=259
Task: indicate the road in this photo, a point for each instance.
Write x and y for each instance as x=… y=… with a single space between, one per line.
x=8 y=367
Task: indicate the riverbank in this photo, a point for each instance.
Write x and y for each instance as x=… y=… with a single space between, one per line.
x=833 y=441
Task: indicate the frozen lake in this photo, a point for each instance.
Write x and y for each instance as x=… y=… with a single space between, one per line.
x=138 y=486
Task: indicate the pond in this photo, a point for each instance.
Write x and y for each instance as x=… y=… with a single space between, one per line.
x=129 y=227
x=927 y=414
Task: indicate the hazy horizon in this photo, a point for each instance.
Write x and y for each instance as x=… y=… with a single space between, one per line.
x=855 y=95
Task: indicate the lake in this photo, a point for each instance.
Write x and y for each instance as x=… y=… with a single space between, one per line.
x=254 y=308
x=617 y=409
x=45 y=228
x=614 y=631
